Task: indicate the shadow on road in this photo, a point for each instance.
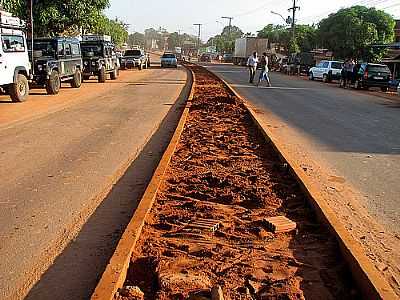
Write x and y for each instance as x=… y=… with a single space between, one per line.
x=75 y=272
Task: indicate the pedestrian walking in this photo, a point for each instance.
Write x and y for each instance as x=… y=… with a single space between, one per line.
x=252 y=65
x=264 y=74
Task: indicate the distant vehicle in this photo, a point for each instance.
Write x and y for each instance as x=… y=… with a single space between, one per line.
x=205 y=57
x=57 y=60
x=169 y=60
x=283 y=65
x=398 y=89
x=326 y=70
x=227 y=58
x=135 y=58
x=99 y=57
x=301 y=62
x=372 y=75
x=14 y=59
x=244 y=47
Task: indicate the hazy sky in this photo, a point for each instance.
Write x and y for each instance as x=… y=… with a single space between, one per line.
x=250 y=16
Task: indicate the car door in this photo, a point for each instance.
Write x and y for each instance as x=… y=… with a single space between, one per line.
x=324 y=68
x=68 y=62
x=317 y=70
x=12 y=55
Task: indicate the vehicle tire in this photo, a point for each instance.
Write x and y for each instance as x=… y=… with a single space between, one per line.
x=384 y=89
x=114 y=74
x=76 y=82
x=325 y=78
x=53 y=84
x=311 y=76
x=102 y=75
x=19 y=90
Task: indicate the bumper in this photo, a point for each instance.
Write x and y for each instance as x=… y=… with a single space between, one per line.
x=379 y=84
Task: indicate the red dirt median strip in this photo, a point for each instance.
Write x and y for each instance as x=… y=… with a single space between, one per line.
x=225 y=179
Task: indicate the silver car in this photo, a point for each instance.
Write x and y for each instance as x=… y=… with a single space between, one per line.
x=169 y=60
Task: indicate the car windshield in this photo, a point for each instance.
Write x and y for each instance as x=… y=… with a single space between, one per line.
x=337 y=65
x=168 y=56
x=88 y=49
x=132 y=53
x=44 y=49
x=378 y=69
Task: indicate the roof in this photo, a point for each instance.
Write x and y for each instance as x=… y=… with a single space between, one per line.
x=58 y=38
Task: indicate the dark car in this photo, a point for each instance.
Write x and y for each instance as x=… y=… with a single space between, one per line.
x=227 y=58
x=135 y=58
x=57 y=60
x=205 y=58
x=99 y=58
x=372 y=75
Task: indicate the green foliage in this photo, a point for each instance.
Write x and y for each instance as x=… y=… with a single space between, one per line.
x=114 y=28
x=306 y=37
x=225 y=42
x=352 y=31
x=136 y=38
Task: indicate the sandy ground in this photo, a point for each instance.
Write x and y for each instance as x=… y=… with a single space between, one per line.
x=223 y=173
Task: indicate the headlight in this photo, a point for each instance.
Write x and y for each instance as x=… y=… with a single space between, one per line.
x=40 y=67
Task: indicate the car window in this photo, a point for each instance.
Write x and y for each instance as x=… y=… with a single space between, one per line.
x=325 y=64
x=378 y=69
x=75 y=49
x=60 y=48
x=132 y=53
x=13 y=43
x=68 y=49
x=320 y=65
x=169 y=56
x=337 y=65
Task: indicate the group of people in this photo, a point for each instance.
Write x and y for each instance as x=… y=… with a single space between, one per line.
x=348 y=72
x=253 y=62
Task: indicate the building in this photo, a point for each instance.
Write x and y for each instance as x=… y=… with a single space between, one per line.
x=397 y=31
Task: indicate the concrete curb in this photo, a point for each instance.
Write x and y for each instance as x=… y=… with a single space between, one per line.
x=114 y=276
x=371 y=283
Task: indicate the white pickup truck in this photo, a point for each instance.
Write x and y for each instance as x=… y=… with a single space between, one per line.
x=14 y=59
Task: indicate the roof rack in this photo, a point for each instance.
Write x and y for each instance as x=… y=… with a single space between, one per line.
x=10 y=22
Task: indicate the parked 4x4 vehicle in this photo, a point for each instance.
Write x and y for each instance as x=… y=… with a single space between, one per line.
x=135 y=58
x=57 y=60
x=99 y=58
x=14 y=59
x=372 y=75
x=326 y=70
x=169 y=60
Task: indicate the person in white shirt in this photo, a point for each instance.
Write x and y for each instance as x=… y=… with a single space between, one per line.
x=252 y=65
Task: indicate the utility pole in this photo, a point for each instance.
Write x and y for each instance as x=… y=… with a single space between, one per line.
x=230 y=24
x=198 y=37
x=294 y=8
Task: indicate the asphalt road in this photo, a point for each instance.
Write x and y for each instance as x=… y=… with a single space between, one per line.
x=356 y=134
x=59 y=157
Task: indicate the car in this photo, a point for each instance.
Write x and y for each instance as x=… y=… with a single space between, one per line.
x=327 y=70
x=169 y=60
x=372 y=75
x=14 y=58
x=57 y=60
x=133 y=58
x=301 y=63
x=99 y=57
x=205 y=57
x=227 y=58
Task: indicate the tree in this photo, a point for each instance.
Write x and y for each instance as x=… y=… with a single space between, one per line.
x=114 y=28
x=55 y=17
x=225 y=42
x=306 y=37
x=136 y=38
x=351 y=32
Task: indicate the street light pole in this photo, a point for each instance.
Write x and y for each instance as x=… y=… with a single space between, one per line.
x=198 y=37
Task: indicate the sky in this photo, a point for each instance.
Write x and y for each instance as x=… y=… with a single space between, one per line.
x=250 y=16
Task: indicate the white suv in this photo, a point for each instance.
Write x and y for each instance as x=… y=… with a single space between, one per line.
x=14 y=58
x=326 y=70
